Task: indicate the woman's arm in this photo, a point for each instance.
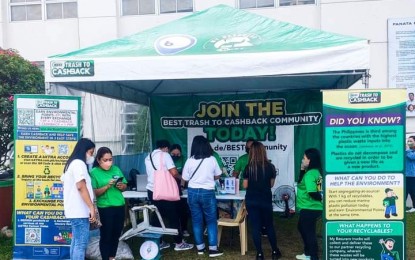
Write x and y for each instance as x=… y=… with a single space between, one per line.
x=83 y=190
x=410 y=154
x=175 y=173
x=103 y=189
x=315 y=195
x=245 y=183
x=121 y=186
x=272 y=182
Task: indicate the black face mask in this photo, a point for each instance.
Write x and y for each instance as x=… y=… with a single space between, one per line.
x=246 y=149
x=175 y=157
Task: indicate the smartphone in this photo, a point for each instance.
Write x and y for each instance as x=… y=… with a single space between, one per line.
x=119 y=180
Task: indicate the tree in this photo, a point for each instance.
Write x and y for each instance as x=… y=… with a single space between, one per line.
x=17 y=76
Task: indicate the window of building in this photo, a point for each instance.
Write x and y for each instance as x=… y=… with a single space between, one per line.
x=176 y=6
x=26 y=10
x=58 y=9
x=245 y=4
x=142 y=7
x=134 y=7
x=297 y=2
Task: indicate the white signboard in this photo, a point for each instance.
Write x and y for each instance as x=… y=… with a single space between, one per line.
x=401 y=52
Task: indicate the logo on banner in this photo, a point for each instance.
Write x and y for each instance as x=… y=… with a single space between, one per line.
x=81 y=68
x=173 y=44
x=47 y=103
x=364 y=97
x=233 y=42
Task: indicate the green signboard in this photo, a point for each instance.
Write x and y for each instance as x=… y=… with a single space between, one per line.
x=364 y=134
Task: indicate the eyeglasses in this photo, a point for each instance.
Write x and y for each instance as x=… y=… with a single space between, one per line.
x=106 y=160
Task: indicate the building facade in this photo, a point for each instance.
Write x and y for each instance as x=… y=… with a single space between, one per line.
x=41 y=28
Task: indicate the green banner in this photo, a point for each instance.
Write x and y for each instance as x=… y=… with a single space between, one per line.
x=286 y=123
x=364 y=133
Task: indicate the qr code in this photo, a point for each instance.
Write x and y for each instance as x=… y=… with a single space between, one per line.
x=25 y=117
x=32 y=235
x=63 y=149
x=229 y=162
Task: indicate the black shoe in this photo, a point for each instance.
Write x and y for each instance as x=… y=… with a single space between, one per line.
x=200 y=251
x=387 y=216
x=394 y=214
x=259 y=256
x=276 y=255
x=215 y=253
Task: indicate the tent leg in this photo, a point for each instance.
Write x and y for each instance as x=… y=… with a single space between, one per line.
x=365 y=79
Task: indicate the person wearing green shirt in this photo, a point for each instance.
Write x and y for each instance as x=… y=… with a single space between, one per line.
x=108 y=183
x=221 y=164
x=241 y=163
x=309 y=202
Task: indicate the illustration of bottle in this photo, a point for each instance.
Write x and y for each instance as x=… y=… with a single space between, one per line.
x=29 y=189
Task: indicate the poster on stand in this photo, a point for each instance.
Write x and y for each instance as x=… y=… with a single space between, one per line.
x=364 y=134
x=46 y=129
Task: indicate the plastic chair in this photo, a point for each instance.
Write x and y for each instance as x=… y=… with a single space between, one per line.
x=145 y=227
x=238 y=221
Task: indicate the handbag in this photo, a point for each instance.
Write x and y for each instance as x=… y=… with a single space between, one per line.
x=97 y=223
x=165 y=185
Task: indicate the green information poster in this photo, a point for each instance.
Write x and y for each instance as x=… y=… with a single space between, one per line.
x=364 y=132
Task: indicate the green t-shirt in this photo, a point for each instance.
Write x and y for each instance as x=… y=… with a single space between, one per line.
x=179 y=164
x=311 y=182
x=218 y=159
x=390 y=201
x=241 y=164
x=113 y=196
x=239 y=167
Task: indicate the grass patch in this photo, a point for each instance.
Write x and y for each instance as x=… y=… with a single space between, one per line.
x=6 y=248
x=289 y=241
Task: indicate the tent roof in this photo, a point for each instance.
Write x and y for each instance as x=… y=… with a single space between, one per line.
x=218 y=50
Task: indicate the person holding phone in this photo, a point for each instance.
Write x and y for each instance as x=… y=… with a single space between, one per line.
x=78 y=196
x=108 y=182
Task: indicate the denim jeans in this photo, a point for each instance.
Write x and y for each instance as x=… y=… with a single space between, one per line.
x=202 y=204
x=80 y=237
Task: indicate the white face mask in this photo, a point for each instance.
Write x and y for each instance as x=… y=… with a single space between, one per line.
x=90 y=159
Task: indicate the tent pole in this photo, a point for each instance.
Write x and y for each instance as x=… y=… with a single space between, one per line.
x=365 y=79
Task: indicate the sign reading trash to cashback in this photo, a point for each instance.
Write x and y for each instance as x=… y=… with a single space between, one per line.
x=72 y=68
x=364 y=180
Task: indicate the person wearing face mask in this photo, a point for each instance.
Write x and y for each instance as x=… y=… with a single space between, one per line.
x=178 y=159
x=309 y=202
x=410 y=171
x=78 y=196
x=109 y=182
x=169 y=210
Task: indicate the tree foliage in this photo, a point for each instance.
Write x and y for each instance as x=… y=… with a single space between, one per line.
x=17 y=76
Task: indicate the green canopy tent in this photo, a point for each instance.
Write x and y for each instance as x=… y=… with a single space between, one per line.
x=225 y=57
x=218 y=50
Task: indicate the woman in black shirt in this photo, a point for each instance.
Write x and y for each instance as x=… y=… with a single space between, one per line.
x=259 y=177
